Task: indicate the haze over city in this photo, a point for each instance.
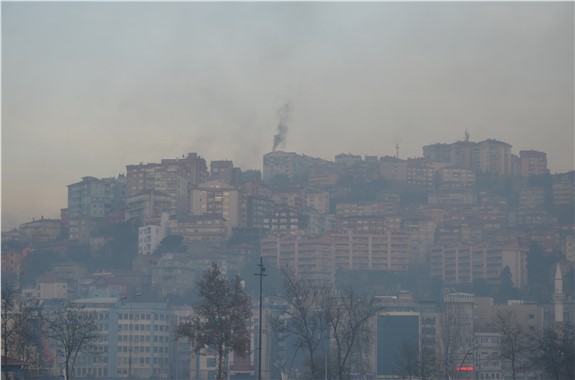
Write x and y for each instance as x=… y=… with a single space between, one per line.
x=89 y=88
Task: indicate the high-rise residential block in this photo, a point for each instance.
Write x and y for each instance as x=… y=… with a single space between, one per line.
x=216 y=198
x=174 y=177
x=222 y=170
x=532 y=163
x=93 y=197
x=493 y=156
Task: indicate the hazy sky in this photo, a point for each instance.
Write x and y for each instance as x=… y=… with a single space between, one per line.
x=88 y=88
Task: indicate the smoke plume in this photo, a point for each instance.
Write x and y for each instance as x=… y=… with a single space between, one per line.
x=280 y=137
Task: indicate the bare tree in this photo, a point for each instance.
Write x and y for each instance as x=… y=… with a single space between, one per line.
x=428 y=368
x=456 y=339
x=348 y=315
x=221 y=319
x=21 y=321
x=73 y=329
x=514 y=344
x=555 y=351
x=304 y=319
x=407 y=360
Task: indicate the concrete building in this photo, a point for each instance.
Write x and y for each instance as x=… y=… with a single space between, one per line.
x=82 y=227
x=347 y=160
x=319 y=258
x=150 y=236
x=345 y=209
x=437 y=152
x=385 y=252
x=452 y=197
x=174 y=273
x=420 y=173
x=393 y=169
x=285 y=221
x=564 y=189
x=532 y=197
x=289 y=164
x=493 y=156
x=456 y=335
x=174 y=177
x=222 y=171
x=310 y=259
x=50 y=286
x=217 y=198
x=456 y=178
x=486 y=355
x=94 y=197
x=135 y=340
x=366 y=224
x=41 y=230
x=147 y=205
x=317 y=200
x=208 y=228
x=462 y=153
x=462 y=263
x=532 y=162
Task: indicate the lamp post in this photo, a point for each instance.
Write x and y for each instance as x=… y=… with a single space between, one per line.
x=261 y=274
x=130 y=327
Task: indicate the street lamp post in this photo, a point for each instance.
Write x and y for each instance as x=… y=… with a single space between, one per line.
x=261 y=274
x=130 y=328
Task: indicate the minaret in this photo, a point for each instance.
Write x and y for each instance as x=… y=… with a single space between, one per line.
x=558 y=295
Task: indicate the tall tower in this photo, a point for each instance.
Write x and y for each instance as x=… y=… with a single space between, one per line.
x=558 y=295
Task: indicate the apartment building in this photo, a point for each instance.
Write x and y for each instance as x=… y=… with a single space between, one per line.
x=532 y=163
x=345 y=209
x=217 y=198
x=452 y=177
x=437 y=152
x=310 y=259
x=420 y=173
x=456 y=334
x=462 y=153
x=150 y=236
x=285 y=221
x=147 y=205
x=319 y=258
x=532 y=197
x=174 y=177
x=174 y=273
x=208 y=228
x=388 y=252
x=374 y=224
x=317 y=200
x=452 y=197
x=222 y=170
x=393 y=169
x=289 y=164
x=41 y=230
x=93 y=197
x=462 y=263
x=80 y=228
x=493 y=156
x=564 y=189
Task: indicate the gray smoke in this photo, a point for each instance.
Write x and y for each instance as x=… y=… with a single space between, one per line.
x=280 y=137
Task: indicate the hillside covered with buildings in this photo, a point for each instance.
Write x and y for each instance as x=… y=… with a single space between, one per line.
x=468 y=223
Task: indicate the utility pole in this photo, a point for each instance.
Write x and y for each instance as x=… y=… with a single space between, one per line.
x=261 y=274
